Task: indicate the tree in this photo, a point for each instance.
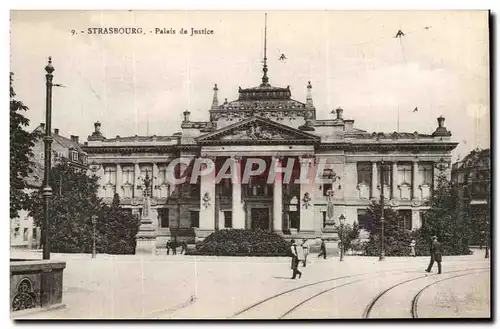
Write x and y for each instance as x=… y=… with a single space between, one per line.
x=350 y=234
x=448 y=218
x=118 y=229
x=21 y=154
x=396 y=239
x=73 y=203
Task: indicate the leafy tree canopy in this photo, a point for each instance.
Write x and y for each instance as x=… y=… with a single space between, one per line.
x=21 y=154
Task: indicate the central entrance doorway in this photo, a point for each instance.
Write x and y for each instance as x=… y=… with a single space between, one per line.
x=260 y=219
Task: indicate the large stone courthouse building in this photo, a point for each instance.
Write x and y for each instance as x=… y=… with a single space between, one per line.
x=266 y=122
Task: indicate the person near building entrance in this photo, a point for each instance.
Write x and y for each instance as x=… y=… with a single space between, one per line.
x=183 y=247
x=305 y=249
x=295 y=260
x=322 y=249
x=412 y=248
x=172 y=245
x=435 y=255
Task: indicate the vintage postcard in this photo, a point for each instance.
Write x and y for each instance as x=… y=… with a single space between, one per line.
x=250 y=164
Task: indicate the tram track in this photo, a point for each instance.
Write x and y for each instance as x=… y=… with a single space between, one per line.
x=414 y=302
x=368 y=309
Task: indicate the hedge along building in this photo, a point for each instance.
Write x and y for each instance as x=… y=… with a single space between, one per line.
x=266 y=122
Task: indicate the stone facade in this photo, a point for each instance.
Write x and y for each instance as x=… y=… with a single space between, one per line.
x=23 y=232
x=266 y=123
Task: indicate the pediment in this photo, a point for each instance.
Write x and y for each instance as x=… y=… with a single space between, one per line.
x=257 y=130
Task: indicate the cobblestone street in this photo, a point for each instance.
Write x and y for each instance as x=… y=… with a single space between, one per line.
x=189 y=287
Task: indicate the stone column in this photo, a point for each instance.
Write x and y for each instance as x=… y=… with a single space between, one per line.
x=278 y=197
x=119 y=180
x=237 y=206
x=207 y=202
x=395 y=180
x=415 y=220
x=375 y=178
x=415 y=182
x=307 y=193
x=137 y=182
x=155 y=180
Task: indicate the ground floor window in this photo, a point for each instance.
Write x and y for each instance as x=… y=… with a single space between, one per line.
x=25 y=234
x=195 y=218
x=164 y=214
x=228 y=219
x=295 y=220
x=365 y=222
x=405 y=216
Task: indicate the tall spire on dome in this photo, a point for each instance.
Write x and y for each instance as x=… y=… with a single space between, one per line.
x=265 y=79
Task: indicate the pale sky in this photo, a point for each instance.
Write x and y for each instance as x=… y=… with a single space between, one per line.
x=351 y=58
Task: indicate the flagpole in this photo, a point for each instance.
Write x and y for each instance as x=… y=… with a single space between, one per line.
x=398 y=118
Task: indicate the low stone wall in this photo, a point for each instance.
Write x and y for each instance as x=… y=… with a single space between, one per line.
x=35 y=284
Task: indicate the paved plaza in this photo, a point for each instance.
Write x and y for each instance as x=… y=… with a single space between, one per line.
x=189 y=287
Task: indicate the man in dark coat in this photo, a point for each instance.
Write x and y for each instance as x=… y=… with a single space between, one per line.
x=322 y=249
x=295 y=261
x=435 y=255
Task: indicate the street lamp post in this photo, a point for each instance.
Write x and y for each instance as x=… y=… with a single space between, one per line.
x=46 y=189
x=94 y=222
x=382 y=200
x=487 y=228
x=342 y=221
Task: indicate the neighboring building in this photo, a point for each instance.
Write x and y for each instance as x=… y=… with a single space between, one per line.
x=24 y=234
x=473 y=176
x=266 y=122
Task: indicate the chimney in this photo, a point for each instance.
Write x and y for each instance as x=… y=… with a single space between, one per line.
x=56 y=131
x=97 y=127
x=309 y=100
x=440 y=121
x=74 y=138
x=42 y=125
x=186 y=115
x=215 y=100
x=339 y=113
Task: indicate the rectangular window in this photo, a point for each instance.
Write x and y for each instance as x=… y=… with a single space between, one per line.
x=404 y=173
x=405 y=217
x=109 y=175
x=228 y=219
x=226 y=188
x=295 y=220
x=195 y=218
x=33 y=236
x=162 y=175
x=422 y=218
x=164 y=213
x=427 y=173
x=326 y=188
x=364 y=173
x=194 y=190
x=324 y=218
x=364 y=221
x=387 y=174
x=25 y=234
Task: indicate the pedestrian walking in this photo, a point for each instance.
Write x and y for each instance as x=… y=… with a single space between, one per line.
x=412 y=248
x=305 y=248
x=183 y=247
x=435 y=255
x=174 y=247
x=168 y=247
x=322 y=249
x=295 y=261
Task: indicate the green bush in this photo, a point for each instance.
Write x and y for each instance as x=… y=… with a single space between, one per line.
x=235 y=242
